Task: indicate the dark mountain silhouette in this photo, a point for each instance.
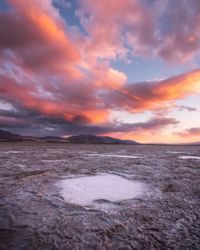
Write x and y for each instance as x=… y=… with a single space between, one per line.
x=90 y=139
x=8 y=136
x=98 y=140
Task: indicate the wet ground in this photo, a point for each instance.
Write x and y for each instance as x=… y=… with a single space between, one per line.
x=34 y=214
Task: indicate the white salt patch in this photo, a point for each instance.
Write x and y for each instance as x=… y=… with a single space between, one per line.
x=175 y=152
x=13 y=152
x=185 y=157
x=49 y=161
x=85 y=190
x=114 y=155
x=56 y=150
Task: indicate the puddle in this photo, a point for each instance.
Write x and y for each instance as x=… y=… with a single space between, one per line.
x=114 y=155
x=99 y=189
x=185 y=157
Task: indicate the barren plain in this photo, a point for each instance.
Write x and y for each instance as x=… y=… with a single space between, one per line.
x=34 y=214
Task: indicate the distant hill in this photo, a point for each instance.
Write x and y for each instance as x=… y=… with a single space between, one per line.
x=98 y=140
x=8 y=136
x=89 y=139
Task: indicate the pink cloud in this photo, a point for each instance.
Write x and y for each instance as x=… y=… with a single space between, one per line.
x=38 y=39
x=48 y=70
x=143 y=96
x=109 y=23
x=169 y=29
x=191 y=132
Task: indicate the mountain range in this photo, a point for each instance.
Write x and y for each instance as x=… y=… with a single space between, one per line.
x=6 y=136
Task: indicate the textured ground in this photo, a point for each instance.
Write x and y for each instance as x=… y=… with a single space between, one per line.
x=34 y=215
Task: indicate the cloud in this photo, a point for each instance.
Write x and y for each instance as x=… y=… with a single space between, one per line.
x=30 y=122
x=108 y=25
x=182 y=108
x=153 y=125
x=168 y=29
x=150 y=95
x=38 y=40
x=58 y=78
x=180 y=34
x=96 y=104
x=191 y=132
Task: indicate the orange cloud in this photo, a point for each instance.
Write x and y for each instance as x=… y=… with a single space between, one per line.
x=150 y=95
x=39 y=38
x=47 y=69
x=96 y=116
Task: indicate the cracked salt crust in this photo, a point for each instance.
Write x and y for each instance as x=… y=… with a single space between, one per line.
x=86 y=190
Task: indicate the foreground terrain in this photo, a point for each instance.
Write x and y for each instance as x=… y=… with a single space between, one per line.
x=34 y=214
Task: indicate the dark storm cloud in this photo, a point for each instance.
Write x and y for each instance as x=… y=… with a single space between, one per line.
x=31 y=122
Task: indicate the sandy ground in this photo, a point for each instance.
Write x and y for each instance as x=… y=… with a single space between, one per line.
x=34 y=214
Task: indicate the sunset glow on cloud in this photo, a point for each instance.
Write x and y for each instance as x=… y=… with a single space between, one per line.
x=68 y=67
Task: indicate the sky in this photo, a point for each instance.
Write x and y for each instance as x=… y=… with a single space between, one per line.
x=123 y=68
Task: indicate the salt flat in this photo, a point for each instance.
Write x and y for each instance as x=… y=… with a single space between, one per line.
x=86 y=190
x=99 y=202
